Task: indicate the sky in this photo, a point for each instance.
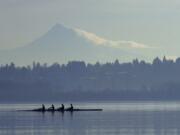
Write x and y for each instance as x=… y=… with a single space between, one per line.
x=152 y=23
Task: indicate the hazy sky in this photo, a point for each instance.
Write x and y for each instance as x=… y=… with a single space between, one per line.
x=154 y=23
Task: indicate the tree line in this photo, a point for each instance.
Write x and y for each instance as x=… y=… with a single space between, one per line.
x=76 y=80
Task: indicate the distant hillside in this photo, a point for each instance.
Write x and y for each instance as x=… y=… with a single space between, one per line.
x=80 y=81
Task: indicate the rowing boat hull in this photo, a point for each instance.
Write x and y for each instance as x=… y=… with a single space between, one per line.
x=74 y=110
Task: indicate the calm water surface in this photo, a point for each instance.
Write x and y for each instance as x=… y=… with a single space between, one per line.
x=126 y=118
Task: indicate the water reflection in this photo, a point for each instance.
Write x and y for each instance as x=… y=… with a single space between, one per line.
x=115 y=122
x=62 y=115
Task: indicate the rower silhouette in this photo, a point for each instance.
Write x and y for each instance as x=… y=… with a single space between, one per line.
x=70 y=108
x=43 y=107
x=51 y=108
x=61 y=108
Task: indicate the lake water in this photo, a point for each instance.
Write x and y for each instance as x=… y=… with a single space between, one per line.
x=125 y=118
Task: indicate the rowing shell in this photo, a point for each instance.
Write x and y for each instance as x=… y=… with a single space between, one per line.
x=66 y=110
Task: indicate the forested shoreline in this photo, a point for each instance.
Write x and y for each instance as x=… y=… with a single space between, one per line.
x=77 y=80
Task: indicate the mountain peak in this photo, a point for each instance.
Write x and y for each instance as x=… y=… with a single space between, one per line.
x=59 y=26
x=59 y=30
